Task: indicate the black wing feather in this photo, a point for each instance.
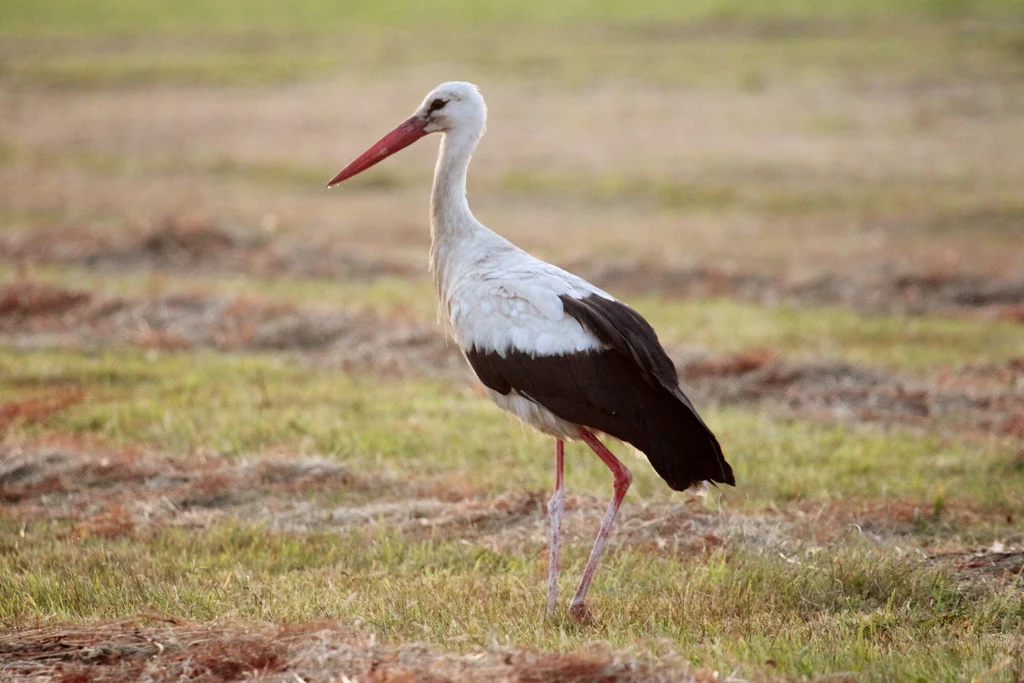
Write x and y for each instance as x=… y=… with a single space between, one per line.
x=629 y=390
x=625 y=330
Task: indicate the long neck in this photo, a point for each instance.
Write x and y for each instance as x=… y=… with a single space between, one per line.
x=449 y=210
x=450 y=217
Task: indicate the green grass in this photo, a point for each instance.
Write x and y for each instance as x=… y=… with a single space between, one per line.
x=740 y=44
x=855 y=603
x=114 y=165
x=910 y=343
x=191 y=68
x=19 y=17
x=385 y=296
x=848 y=609
x=839 y=597
x=577 y=60
x=237 y=404
x=278 y=175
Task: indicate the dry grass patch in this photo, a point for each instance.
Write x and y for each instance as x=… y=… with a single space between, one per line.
x=171 y=650
x=941 y=291
x=108 y=493
x=192 y=243
x=37 y=299
x=842 y=175
x=353 y=341
x=102 y=489
x=986 y=399
x=998 y=563
x=38 y=408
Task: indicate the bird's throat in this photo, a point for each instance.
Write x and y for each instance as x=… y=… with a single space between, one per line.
x=449 y=210
x=451 y=220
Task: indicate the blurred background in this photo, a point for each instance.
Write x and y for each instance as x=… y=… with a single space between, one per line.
x=859 y=139
x=818 y=204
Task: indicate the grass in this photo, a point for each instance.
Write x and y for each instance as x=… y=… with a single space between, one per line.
x=820 y=136
x=386 y=295
x=233 y=42
x=238 y=16
x=768 y=191
x=855 y=609
x=120 y=166
x=936 y=203
x=134 y=69
x=912 y=344
x=946 y=199
x=590 y=58
x=241 y=404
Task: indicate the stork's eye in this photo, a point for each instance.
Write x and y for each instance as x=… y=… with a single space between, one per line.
x=436 y=104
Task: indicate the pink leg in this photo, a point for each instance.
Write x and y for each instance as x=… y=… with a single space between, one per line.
x=556 y=506
x=623 y=478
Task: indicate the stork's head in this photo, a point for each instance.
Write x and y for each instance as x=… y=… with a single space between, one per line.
x=455 y=107
x=452 y=106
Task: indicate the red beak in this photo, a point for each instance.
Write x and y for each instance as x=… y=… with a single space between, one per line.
x=407 y=132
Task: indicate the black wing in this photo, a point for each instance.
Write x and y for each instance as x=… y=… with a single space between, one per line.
x=626 y=331
x=629 y=390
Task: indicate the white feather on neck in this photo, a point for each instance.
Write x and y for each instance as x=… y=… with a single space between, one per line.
x=451 y=220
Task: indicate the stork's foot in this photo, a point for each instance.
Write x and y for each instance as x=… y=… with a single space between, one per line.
x=551 y=608
x=580 y=613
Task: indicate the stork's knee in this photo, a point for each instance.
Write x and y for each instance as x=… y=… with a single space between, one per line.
x=623 y=479
x=557 y=502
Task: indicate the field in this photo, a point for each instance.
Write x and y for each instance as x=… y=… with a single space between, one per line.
x=234 y=444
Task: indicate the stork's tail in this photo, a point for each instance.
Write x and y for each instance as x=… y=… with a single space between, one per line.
x=684 y=451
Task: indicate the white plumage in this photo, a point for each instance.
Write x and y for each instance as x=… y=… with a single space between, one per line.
x=503 y=300
x=552 y=349
x=499 y=298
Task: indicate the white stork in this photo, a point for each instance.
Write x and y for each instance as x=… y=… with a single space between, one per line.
x=550 y=348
